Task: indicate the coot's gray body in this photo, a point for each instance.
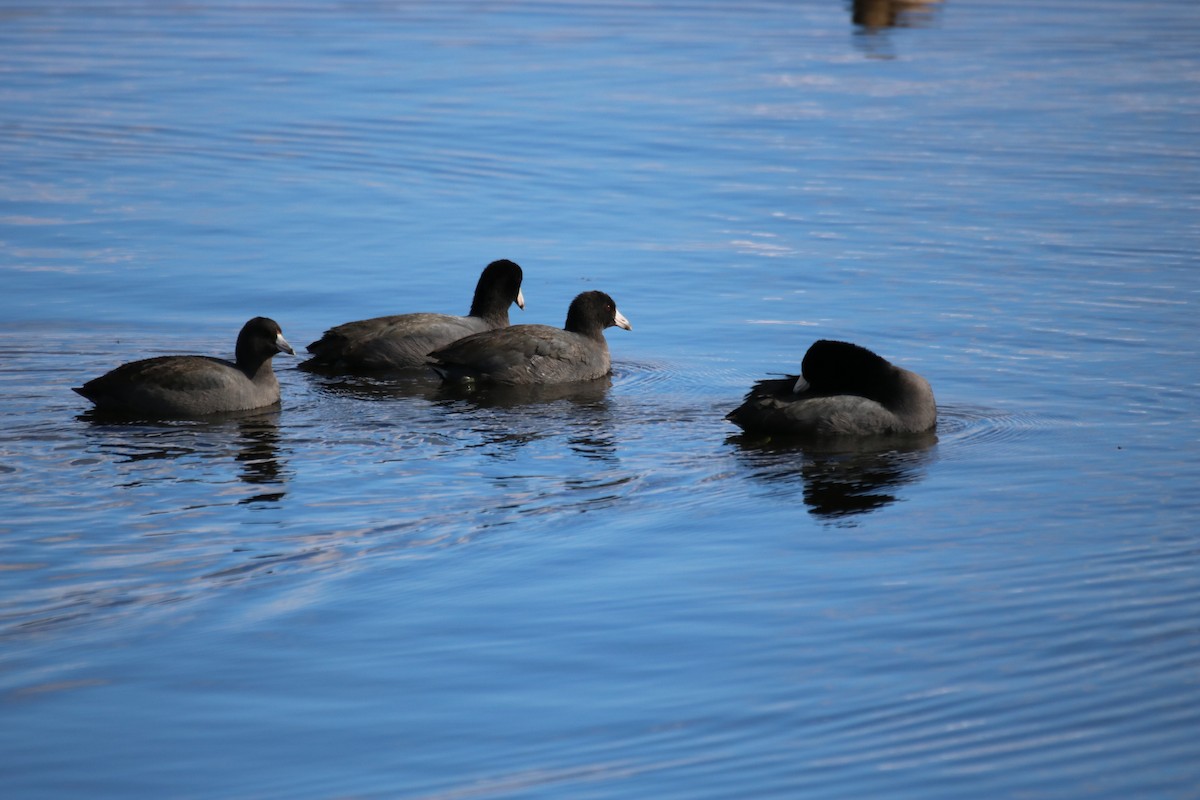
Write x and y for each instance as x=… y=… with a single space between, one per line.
x=195 y=386
x=844 y=390
x=537 y=354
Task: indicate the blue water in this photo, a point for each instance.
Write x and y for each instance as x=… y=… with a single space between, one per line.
x=380 y=590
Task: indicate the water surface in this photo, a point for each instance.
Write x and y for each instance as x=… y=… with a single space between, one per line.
x=383 y=589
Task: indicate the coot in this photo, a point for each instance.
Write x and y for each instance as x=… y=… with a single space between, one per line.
x=537 y=354
x=191 y=386
x=403 y=341
x=844 y=389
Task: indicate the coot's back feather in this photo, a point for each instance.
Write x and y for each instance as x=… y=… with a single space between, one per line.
x=404 y=341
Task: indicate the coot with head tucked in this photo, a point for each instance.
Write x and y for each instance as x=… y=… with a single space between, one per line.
x=844 y=390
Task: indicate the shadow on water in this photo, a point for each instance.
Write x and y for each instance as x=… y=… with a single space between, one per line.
x=839 y=478
x=255 y=447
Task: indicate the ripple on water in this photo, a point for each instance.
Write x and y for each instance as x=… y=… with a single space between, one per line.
x=651 y=438
x=681 y=379
x=964 y=428
x=843 y=479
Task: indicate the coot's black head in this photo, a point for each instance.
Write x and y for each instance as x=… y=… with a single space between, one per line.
x=260 y=339
x=498 y=288
x=844 y=368
x=591 y=312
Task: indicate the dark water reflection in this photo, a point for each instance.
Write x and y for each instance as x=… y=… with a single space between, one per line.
x=501 y=418
x=873 y=20
x=507 y=418
x=427 y=386
x=843 y=478
x=411 y=384
x=258 y=453
x=874 y=15
x=249 y=439
x=589 y=394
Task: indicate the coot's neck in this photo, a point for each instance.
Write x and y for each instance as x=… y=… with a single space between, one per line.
x=584 y=325
x=493 y=310
x=252 y=361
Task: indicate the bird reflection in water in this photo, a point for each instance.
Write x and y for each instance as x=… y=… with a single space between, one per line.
x=530 y=412
x=139 y=440
x=873 y=17
x=427 y=386
x=839 y=478
x=496 y=395
x=258 y=453
x=381 y=386
x=577 y=411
